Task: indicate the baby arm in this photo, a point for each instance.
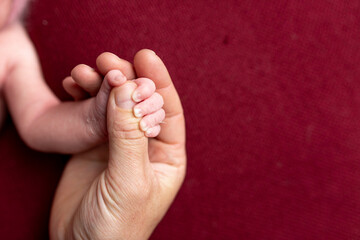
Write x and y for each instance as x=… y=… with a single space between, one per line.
x=46 y=124
x=43 y=122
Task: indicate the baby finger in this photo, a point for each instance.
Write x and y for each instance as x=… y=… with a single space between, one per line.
x=150 y=105
x=152 y=120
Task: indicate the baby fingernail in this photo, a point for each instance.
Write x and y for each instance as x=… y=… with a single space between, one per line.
x=120 y=78
x=149 y=131
x=143 y=126
x=137 y=112
x=136 y=96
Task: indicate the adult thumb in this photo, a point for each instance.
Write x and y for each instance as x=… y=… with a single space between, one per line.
x=128 y=146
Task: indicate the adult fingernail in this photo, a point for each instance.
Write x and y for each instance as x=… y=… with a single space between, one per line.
x=123 y=96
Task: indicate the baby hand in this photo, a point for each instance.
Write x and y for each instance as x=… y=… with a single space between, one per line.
x=86 y=82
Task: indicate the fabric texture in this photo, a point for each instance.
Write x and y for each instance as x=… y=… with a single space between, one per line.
x=270 y=91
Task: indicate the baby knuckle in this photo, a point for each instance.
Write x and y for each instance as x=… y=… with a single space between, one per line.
x=159 y=98
x=157 y=118
x=162 y=114
x=151 y=85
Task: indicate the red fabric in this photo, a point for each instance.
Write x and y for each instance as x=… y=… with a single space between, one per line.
x=271 y=95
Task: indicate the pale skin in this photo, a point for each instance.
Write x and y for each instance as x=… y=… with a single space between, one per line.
x=42 y=120
x=115 y=191
x=5 y=6
x=85 y=82
x=122 y=190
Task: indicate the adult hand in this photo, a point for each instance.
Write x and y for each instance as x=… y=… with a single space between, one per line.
x=122 y=191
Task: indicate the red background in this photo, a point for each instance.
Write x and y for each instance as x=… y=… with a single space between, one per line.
x=271 y=95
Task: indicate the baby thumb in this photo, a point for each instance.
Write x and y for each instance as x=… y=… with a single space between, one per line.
x=128 y=147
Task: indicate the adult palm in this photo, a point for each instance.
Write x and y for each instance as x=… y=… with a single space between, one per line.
x=123 y=189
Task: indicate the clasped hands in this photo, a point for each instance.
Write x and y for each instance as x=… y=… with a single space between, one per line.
x=122 y=189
